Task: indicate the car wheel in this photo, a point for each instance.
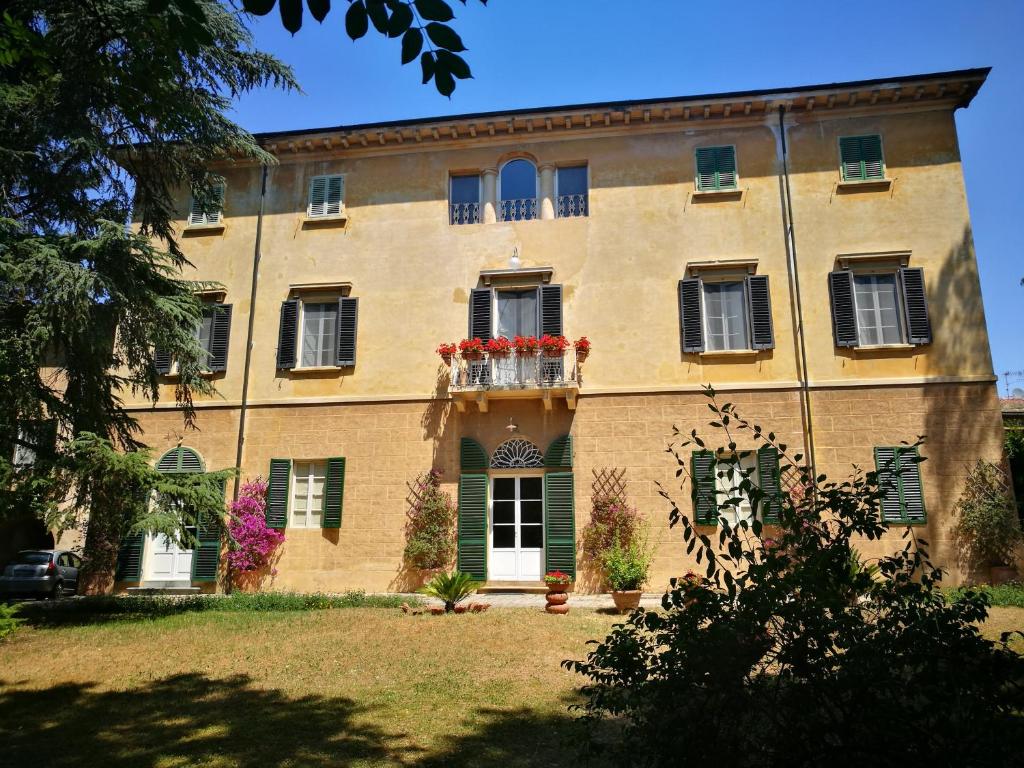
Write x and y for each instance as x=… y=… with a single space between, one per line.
x=58 y=591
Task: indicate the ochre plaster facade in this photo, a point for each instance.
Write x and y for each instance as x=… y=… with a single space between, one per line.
x=390 y=414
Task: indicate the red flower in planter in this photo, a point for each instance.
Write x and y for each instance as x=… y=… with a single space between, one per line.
x=447 y=350
x=471 y=348
x=553 y=345
x=526 y=345
x=557 y=577
x=582 y=345
x=499 y=346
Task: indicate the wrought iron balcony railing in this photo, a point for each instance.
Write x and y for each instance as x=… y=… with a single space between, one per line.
x=512 y=375
x=573 y=205
x=464 y=213
x=517 y=210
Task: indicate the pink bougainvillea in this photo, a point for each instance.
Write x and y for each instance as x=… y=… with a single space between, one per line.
x=253 y=542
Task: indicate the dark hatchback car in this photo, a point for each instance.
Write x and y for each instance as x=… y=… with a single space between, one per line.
x=41 y=573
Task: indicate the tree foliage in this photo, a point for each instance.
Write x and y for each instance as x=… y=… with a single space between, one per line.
x=418 y=23
x=784 y=653
x=987 y=527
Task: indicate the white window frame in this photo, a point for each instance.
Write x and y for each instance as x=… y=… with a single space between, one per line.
x=300 y=331
x=207 y=219
x=309 y=196
x=900 y=321
x=705 y=317
x=310 y=477
x=198 y=330
x=725 y=485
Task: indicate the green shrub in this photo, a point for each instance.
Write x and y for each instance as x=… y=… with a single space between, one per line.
x=8 y=620
x=451 y=588
x=788 y=654
x=430 y=530
x=988 y=528
x=626 y=567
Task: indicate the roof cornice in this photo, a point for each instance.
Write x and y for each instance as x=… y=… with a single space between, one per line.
x=939 y=90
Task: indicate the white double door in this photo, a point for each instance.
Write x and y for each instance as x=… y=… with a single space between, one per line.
x=167 y=561
x=516 y=535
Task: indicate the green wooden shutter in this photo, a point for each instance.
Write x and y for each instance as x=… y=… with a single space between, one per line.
x=348 y=319
x=769 y=481
x=691 y=321
x=220 y=334
x=334 y=493
x=472 y=456
x=559 y=523
x=559 y=453
x=716 y=168
x=206 y=558
x=129 y=558
x=472 y=529
x=705 y=502
x=887 y=466
x=287 y=334
x=860 y=158
x=844 y=314
x=277 y=492
x=915 y=306
x=911 y=493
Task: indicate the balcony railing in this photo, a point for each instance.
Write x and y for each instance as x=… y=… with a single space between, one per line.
x=572 y=205
x=464 y=213
x=513 y=375
x=517 y=210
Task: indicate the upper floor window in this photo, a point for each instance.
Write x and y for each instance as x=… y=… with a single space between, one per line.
x=571 y=191
x=517 y=191
x=213 y=332
x=716 y=169
x=879 y=307
x=721 y=314
x=319 y=325
x=725 y=316
x=326 y=196
x=464 y=199
x=199 y=216
x=317 y=331
x=860 y=158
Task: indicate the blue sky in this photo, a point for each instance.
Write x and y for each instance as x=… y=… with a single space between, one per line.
x=540 y=52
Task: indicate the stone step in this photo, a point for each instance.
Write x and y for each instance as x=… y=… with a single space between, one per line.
x=518 y=587
x=163 y=588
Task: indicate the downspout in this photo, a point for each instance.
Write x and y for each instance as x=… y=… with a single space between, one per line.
x=794 y=279
x=248 y=336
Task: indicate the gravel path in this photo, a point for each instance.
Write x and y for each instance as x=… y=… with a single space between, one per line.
x=524 y=600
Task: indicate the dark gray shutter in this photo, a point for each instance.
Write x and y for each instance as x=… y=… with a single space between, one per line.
x=888 y=483
x=162 y=361
x=911 y=493
x=480 y=314
x=334 y=493
x=705 y=503
x=220 y=334
x=559 y=523
x=759 y=306
x=844 y=314
x=348 y=319
x=768 y=481
x=472 y=527
x=277 y=492
x=691 y=323
x=550 y=310
x=288 y=334
x=915 y=306
x=129 y=558
x=206 y=558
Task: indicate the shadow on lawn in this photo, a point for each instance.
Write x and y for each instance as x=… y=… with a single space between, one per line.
x=196 y=720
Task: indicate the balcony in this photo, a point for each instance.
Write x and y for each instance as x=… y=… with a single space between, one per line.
x=510 y=376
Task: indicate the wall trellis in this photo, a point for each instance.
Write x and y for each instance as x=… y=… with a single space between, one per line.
x=609 y=482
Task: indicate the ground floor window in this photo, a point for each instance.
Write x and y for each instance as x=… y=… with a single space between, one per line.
x=307 y=494
x=517 y=528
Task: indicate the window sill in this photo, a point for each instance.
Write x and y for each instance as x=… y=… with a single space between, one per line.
x=883 y=347
x=203 y=374
x=203 y=229
x=337 y=220
x=731 y=353
x=867 y=185
x=716 y=195
x=314 y=369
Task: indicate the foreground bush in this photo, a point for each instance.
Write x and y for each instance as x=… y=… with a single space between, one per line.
x=97 y=609
x=782 y=653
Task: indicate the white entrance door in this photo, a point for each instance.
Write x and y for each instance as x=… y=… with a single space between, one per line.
x=517 y=529
x=167 y=560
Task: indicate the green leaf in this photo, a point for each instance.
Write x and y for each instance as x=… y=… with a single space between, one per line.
x=378 y=14
x=401 y=20
x=427 y=63
x=444 y=36
x=356 y=21
x=434 y=10
x=455 y=64
x=259 y=7
x=291 y=15
x=319 y=9
x=412 y=44
x=443 y=79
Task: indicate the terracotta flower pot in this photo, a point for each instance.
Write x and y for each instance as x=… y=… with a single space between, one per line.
x=626 y=600
x=436 y=610
x=461 y=608
x=473 y=355
x=1002 y=574
x=447 y=358
x=561 y=610
x=581 y=356
x=557 y=598
x=552 y=587
x=553 y=353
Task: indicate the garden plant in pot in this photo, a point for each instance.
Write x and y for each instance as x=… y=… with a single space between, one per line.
x=988 y=528
x=430 y=527
x=558 y=584
x=626 y=568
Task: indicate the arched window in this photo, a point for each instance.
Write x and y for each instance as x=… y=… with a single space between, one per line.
x=518 y=191
x=516 y=454
x=180 y=460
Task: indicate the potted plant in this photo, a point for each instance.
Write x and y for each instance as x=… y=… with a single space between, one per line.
x=553 y=346
x=499 y=347
x=450 y=588
x=526 y=346
x=447 y=351
x=988 y=528
x=472 y=349
x=558 y=584
x=626 y=568
x=582 y=346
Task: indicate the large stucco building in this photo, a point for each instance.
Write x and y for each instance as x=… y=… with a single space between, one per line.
x=807 y=251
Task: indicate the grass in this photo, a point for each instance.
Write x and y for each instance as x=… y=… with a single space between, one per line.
x=356 y=687
x=365 y=686
x=1001 y=595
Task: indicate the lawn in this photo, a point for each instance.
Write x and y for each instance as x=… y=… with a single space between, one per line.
x=346 y=687
x=349 y=687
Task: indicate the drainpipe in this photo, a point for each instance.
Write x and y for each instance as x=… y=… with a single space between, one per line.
x=794 y=279
x=248 y=335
